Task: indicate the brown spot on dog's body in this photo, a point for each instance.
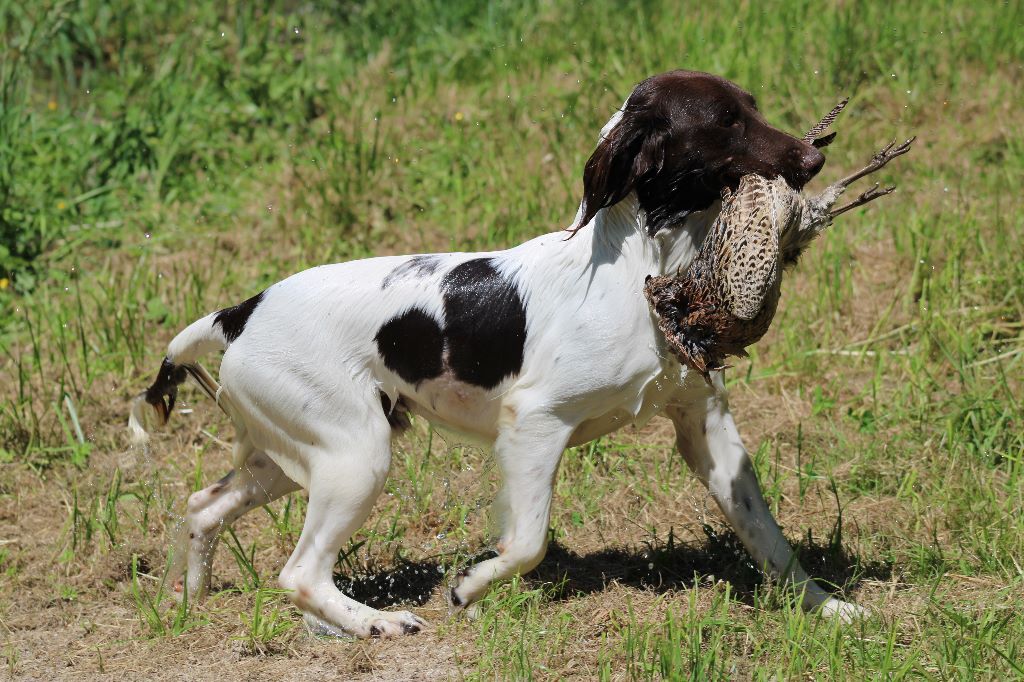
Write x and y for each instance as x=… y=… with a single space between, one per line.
x=232 y=320
x=302 y=598
x=508 y=414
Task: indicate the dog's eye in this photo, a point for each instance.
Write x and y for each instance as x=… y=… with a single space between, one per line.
x=729 y=119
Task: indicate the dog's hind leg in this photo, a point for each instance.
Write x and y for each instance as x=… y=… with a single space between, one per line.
x=528 y=454
x=255 y=483
x=710 y=443
x=347 y=469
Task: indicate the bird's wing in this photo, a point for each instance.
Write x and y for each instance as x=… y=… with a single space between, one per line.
x=748 y=245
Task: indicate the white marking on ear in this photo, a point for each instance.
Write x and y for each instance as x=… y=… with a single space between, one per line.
x=612 y=122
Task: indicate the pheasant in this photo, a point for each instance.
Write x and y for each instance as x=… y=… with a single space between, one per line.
x=726 y=299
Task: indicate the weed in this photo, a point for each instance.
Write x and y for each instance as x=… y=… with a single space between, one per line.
x=267 y=622
x=178 y=620
x=246 y=561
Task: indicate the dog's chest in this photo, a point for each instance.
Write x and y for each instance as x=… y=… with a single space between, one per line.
x=634 y=405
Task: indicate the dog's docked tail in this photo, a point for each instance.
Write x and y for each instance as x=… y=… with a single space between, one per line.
x=200 y=337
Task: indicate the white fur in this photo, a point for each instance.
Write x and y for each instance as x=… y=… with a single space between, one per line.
x=303 y=385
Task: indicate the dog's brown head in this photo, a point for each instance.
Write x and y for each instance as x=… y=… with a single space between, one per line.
x=684 y=136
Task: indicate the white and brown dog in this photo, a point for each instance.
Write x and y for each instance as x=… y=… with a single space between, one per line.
x=530 y=350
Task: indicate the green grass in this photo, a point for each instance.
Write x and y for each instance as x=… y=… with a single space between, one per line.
x=160 y=160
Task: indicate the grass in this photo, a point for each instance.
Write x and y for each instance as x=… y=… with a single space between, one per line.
x=160 y=160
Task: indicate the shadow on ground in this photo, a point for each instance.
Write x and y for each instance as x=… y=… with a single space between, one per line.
x=668 y=565
x=658 y=565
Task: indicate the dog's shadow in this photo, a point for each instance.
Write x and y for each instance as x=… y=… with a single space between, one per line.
x=670 y=565
x=655 y=565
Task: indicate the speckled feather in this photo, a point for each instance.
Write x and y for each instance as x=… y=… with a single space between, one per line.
x=726 y=299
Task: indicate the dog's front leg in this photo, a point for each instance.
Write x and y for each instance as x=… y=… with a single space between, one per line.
x=709 y=442
x=528 y=450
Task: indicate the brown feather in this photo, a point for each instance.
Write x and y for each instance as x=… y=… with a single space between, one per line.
x=726 y=299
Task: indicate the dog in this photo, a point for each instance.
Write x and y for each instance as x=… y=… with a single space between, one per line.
x=530 y=350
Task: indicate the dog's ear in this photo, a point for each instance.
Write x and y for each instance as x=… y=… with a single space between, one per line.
x=633 y=151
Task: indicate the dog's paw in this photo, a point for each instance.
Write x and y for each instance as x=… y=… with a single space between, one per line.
x=456 y=606
x=395 y=624
x=459 y=603
x=455 y=602
x=382 y=624
x=846 y=612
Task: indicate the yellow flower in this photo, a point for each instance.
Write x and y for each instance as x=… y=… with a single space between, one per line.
x=61 y=205
x=459 y=116
x=52 y=105
x=4 y=282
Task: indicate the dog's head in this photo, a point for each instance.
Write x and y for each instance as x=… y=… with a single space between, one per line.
x=681 y=138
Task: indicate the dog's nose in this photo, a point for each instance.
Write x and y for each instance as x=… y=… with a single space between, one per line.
x=811 y=161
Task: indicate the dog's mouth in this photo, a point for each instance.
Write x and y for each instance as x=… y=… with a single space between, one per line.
x=729 y=174
x=694 y=189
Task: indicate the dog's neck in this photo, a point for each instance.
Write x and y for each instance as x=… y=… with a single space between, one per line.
x=618 y=234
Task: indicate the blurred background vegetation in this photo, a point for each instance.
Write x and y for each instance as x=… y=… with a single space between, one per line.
x=112 y=109
x=288 y=134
